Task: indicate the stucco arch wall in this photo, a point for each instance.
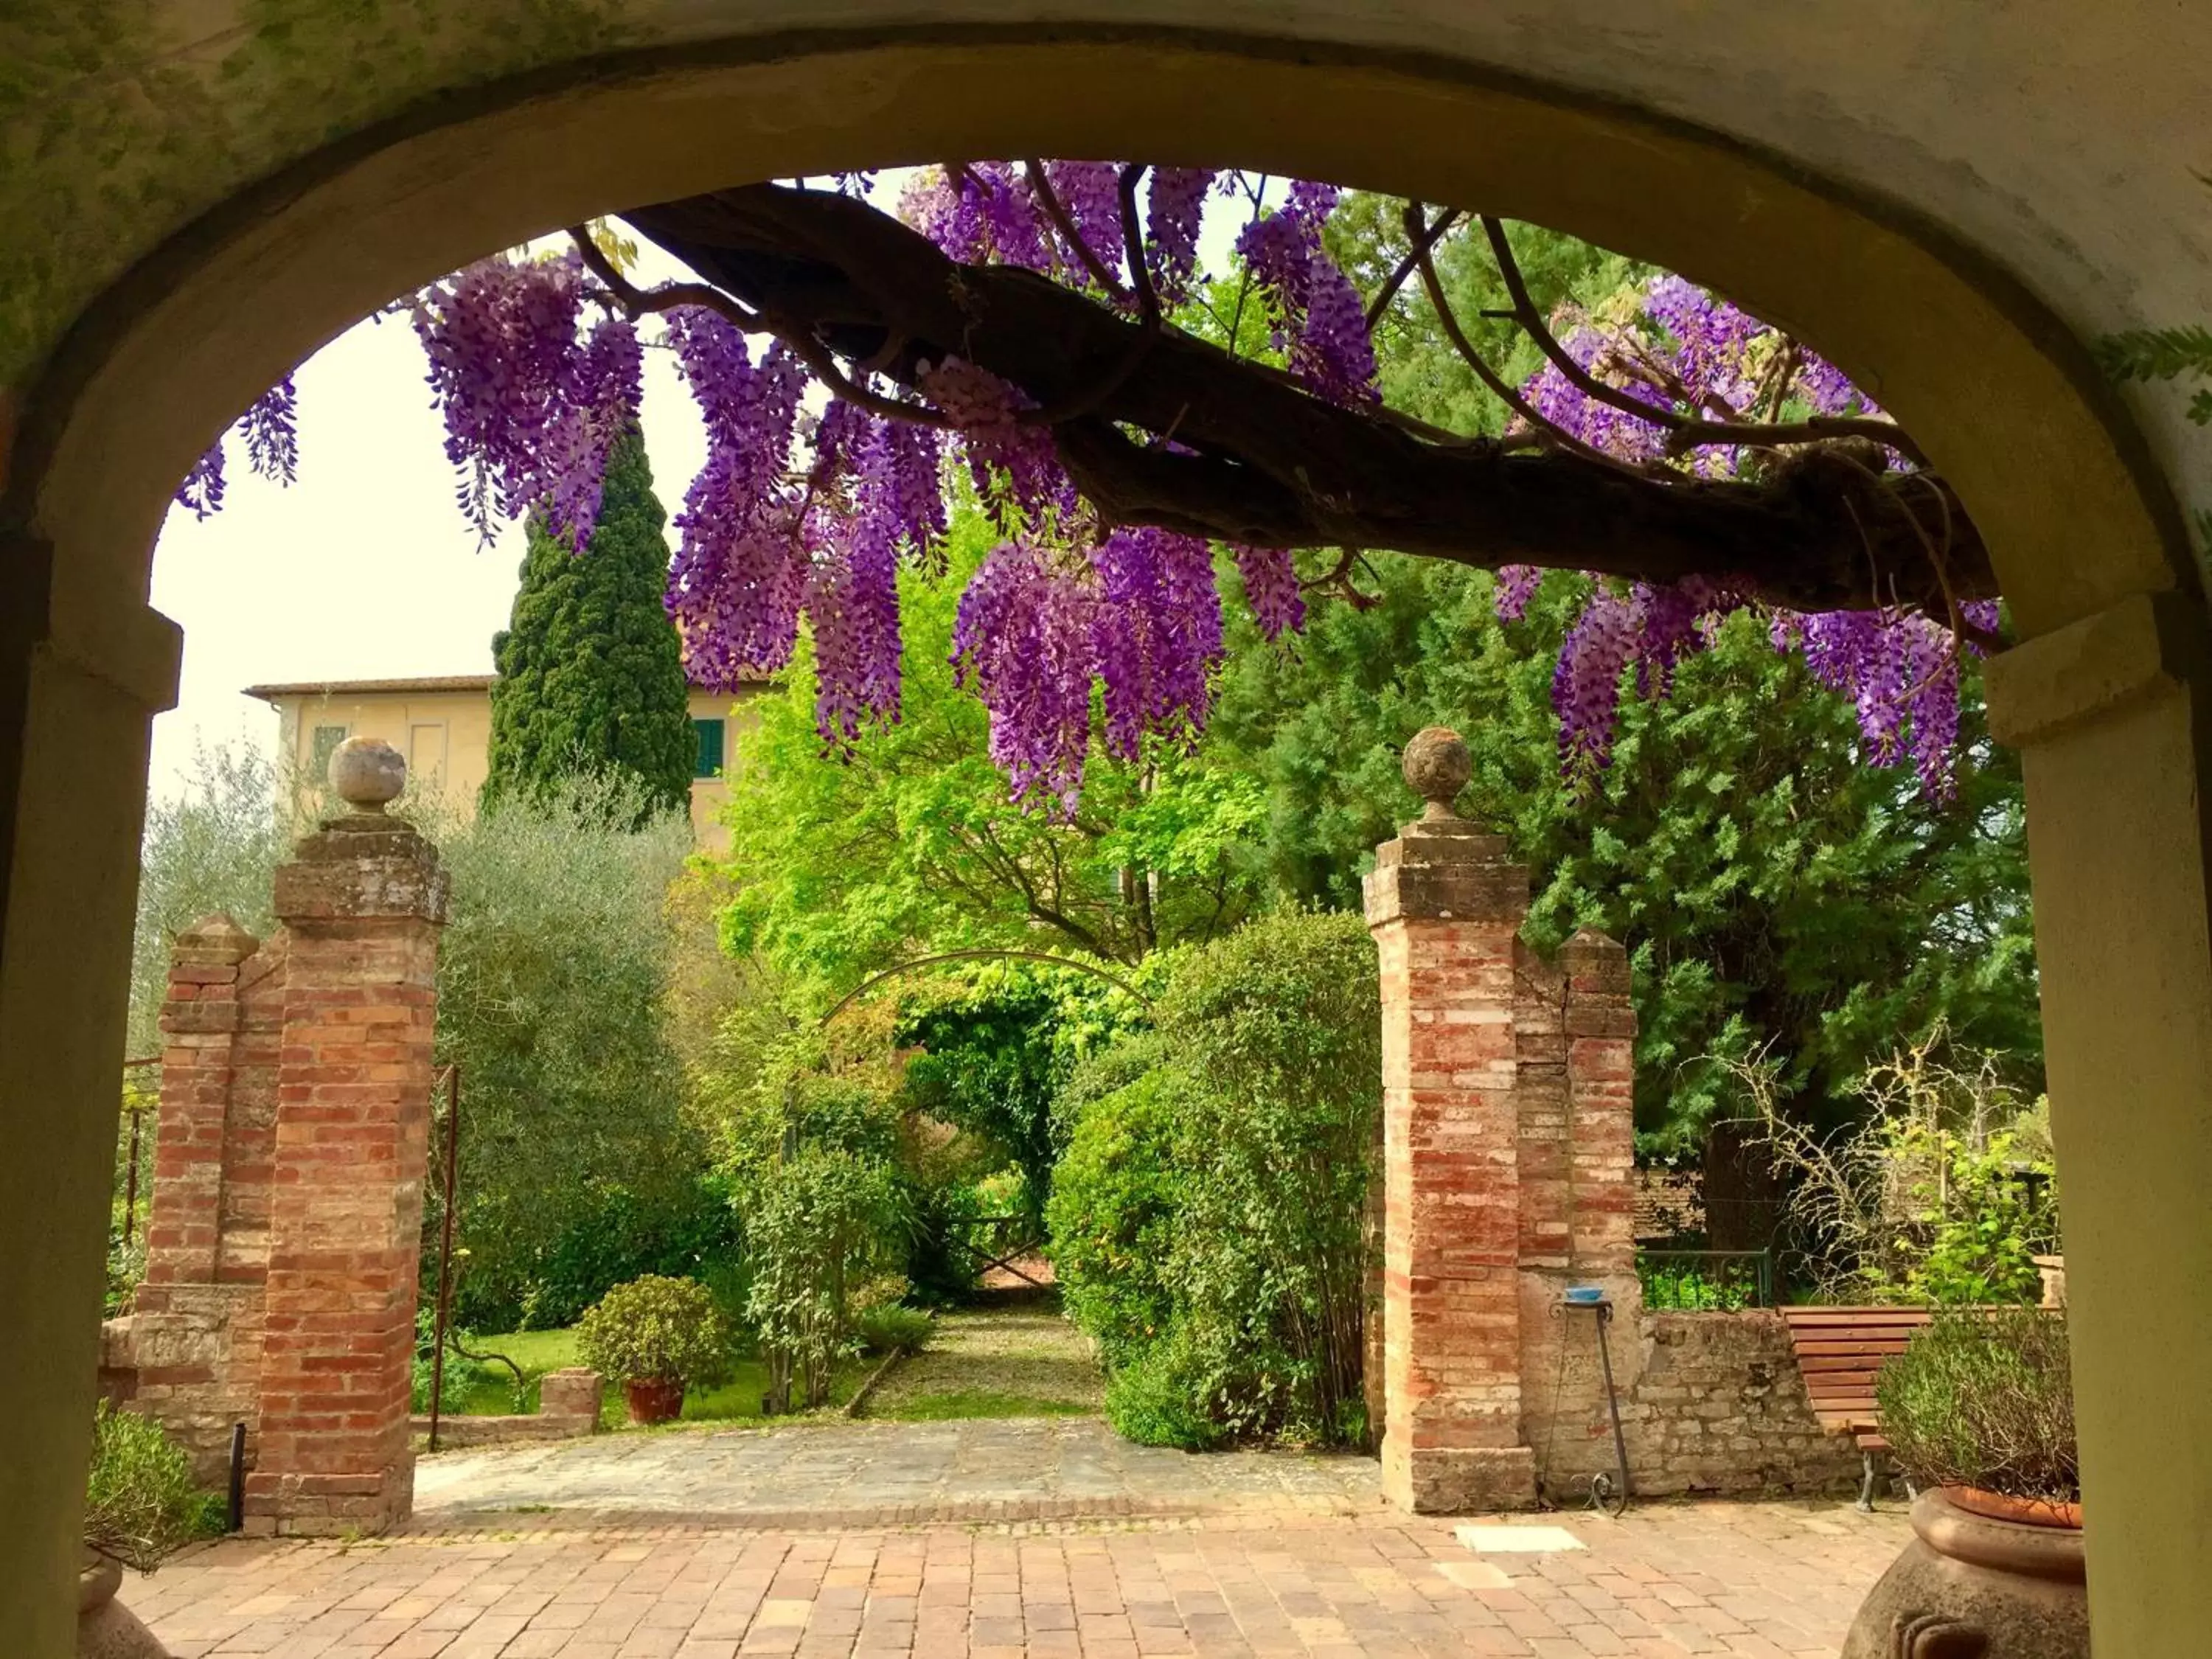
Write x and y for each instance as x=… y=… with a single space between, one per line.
x=2082 y=522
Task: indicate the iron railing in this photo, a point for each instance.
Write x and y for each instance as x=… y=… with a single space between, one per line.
x=1749 y=1271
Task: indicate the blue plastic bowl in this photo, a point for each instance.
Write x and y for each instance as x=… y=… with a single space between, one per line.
x=1585 y=1294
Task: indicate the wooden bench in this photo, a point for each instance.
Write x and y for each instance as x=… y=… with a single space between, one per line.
x=1840 y=1350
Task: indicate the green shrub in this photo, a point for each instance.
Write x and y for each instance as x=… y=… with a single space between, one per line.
x=140 y=1501
x=461 y=1373
x=688 y=1232
x=1675 y=1287
x=943 y=1271
x=655 y=1328
x=1159 y=1399
x=893 y=1328
x=1984 y=1398
x=821 y=1222
x=1116 y=1203
x=1210 y=1223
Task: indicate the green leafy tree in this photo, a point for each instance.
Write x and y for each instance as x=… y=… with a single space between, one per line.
x=552 y=978
x=909 y=843
x=1770 y=888
x=591 y=670
x=215 y=846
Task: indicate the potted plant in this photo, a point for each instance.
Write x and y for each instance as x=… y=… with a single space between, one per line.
x=655 y=1336
x=141 y=1505
x=1978 y=1411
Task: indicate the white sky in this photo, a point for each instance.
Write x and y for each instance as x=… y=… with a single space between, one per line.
x=365 y=567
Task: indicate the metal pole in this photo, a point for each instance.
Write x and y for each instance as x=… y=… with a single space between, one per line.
x=1612 y=1403
x=453 y=1081
x=130 y=1178
x=237 y=1517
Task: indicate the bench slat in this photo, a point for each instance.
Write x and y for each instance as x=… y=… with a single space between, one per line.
x=1840 y=1353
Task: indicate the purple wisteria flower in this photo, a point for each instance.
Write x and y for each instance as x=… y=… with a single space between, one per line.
x=202 y=490
x=1271 y=589
x=1317 y=316
x=1015 y=466
x=1900 y=671
x=740 y=572
x=537 y=373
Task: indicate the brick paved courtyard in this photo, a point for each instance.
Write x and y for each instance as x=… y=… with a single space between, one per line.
x=1745 y=1579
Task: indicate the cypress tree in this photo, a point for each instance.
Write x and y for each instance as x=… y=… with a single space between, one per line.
x=591 y=670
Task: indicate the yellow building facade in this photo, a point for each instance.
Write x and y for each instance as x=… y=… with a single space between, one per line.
x=442 y=724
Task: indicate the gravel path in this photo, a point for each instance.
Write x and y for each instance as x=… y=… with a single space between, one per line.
x=1014 y=1348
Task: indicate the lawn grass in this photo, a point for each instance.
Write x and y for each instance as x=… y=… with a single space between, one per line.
x=736 y=1399
x=977 y=1402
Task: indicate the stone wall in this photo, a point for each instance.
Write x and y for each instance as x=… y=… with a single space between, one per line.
x=1710 y=1403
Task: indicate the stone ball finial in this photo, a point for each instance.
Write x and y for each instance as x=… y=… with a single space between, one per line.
x=367 y=772
x=1437 y=765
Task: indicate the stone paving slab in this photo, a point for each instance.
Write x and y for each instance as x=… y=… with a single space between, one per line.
x=1755 y=1580
x=847 y=1475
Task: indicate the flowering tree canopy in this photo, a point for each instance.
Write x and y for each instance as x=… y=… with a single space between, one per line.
x=1043 y=333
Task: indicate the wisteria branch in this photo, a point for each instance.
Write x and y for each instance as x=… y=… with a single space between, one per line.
x=1259 y=461
x=1500 y=388
x=1426 y=237
x=1056 y=210
x=671 y=296
x=1683 y=433
x=1132 y=245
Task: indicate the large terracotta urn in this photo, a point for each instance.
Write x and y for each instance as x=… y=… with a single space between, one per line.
x=105 y=1629
x=1984 y=1577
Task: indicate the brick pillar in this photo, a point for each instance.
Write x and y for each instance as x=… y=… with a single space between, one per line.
x=193 y=1341
x=1600 y=1033
x=363 y=901
x=1445 y=906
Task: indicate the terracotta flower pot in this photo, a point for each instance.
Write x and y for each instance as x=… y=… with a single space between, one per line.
x=1972 y=1582
x=654 y=1398
x=2028 y=1511
x=105 y=1629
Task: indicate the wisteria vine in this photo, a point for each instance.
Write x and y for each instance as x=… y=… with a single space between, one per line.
x=824 y=476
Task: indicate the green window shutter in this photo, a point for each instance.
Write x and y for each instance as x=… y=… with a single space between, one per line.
x=708 y=762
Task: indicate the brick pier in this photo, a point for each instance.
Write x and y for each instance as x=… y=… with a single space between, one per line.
x=1507 y=1155
x=287 y=1210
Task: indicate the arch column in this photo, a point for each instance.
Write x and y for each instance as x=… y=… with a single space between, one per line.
x=80 y=684
x=2114 y=715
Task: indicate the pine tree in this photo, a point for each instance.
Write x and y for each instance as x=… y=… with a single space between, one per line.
x=591 y=671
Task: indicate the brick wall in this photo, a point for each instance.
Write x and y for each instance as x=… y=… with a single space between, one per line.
x=195 y=1336
x=1446 y=905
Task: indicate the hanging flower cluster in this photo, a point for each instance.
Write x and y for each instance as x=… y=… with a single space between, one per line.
x=1898 y=668
x=806 y=508
x=1138 y=613
x=270 y=429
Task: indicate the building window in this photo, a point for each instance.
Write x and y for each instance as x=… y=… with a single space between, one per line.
x=327 y=738
x=708 y=762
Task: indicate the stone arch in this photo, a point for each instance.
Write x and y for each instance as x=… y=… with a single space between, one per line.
x=2083 y=529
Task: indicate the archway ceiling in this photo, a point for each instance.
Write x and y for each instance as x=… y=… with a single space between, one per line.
x=2053 y=140
x=2058 y=137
